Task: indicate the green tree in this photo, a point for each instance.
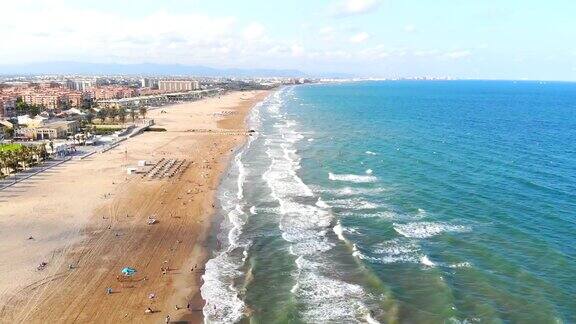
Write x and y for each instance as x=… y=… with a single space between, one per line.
x=122 y=115
x=143 y=111
x=101 y=114
x=4 y=164
x=21 y=106
x=34 y=110
x=132 y=114
x=112 y=112
x=13 y=161
x=42 y=151
x=89 y=117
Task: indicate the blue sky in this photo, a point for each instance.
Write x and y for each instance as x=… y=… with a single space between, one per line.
x=495 y=39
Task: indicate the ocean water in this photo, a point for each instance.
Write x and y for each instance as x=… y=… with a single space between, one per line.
x=401 y=202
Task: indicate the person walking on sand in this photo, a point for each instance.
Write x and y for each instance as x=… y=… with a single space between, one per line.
x=167 y=319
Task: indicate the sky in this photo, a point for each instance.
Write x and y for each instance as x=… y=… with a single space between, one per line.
x=480 y=39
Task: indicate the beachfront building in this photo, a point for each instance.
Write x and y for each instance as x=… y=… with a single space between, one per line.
x=178 y=85
x=148 y=83
x=46 y=100
x=158 y=100
x=52 y=98
x=7 y=107
x=49 y=130
x=25 y=120
x=5 y=129
x=80 y=85
x=111 y=92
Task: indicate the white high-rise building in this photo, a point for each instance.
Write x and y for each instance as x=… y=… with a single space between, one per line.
x=80 y=85
x=178 y=85
x=147 y=83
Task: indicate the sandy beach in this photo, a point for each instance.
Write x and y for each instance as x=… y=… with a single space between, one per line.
x=88 y=220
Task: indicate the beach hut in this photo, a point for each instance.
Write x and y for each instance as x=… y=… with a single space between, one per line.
x=128 y=272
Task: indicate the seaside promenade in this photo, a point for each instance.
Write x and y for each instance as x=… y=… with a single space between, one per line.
x=87 y=220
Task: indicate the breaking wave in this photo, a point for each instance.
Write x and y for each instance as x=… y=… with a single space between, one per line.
x=427 y=229
x=352 y=178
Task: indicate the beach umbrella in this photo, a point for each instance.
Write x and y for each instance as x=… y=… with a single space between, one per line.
x=128 y=271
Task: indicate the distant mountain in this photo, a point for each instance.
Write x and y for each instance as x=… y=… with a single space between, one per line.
x=140 y=69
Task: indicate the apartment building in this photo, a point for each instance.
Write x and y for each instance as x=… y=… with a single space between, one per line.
x=177 y=85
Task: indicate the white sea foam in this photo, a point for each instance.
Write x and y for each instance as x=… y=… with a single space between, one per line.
x=370 y=153
x=241 y=176
x=320 y=203
x=369 y=171
x=354 y=203
x=427 y=229
x=339 y=231
x=223 y=304
x=399 y=250
x=305 y=223
x=420 y=214
x=329 y=300
x=222 y=301
x=352 y=178
x=426 y=261
x=370 y=319
x=460 y=265
x=351 y=191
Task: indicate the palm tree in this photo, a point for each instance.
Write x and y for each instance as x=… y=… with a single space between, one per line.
x=122 y=115
x=4 y=164
x=25 y=156
x=132 y=114
x=43 y=154
x=143 y=111
x=89 y=117
x=35 y=154
x=12 y=162
x=101 y=115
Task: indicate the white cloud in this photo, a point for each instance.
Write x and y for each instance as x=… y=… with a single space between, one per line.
x=426 y=53
x=327 y=33
x=375 y=53
x=254 y=31
x=456 y=55
x=326 y=30
x=355 y=7
x=359 y=37
x=297 y=50
x=409 y=28
x=60 y=32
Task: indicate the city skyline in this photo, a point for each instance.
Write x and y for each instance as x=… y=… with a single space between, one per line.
x=365 y=38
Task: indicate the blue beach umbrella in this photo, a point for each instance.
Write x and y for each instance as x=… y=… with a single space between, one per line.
x=128 y=271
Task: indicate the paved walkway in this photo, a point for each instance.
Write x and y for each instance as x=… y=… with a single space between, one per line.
x=82 y=152
x=23 y=175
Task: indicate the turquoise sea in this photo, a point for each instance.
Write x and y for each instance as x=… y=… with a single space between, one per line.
x=401 y=202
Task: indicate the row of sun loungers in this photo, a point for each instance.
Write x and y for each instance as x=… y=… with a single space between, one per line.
x=166 y=168
x=222 y=132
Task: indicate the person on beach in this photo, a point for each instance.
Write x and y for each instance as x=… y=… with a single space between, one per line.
x=167 y=319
